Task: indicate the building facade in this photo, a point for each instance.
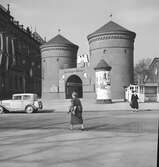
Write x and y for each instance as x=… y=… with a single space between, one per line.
x=148 y=91
x=111 y=43
x=152 y=82
x=20 y=57
x=154 y=71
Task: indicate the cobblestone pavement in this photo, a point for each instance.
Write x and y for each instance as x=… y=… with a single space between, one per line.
x=112 y=138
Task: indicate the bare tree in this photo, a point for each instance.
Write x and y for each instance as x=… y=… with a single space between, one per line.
x=141 y=71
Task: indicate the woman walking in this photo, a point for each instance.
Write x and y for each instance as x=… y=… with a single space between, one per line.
x=76 y=111
x=134 y=101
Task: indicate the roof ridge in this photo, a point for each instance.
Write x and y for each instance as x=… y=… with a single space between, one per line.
x=59 y=39
x=111 y=26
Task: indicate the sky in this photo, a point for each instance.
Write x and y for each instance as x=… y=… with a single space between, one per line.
x=79 y=18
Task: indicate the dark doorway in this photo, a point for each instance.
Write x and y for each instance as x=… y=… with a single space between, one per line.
x=74 y=83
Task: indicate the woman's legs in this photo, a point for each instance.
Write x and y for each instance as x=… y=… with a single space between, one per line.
x=82 y=127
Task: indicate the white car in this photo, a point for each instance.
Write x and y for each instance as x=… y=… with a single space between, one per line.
x=27 y=102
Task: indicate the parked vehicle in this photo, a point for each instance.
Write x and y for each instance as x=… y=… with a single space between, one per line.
x=27 y=102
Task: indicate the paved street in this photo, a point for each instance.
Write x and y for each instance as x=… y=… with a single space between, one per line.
x=112 y=138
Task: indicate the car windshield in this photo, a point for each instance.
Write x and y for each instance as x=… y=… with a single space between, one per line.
x=26 y=97
x=17 y=97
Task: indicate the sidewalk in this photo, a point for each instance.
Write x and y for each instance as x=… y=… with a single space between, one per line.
x=90 y=105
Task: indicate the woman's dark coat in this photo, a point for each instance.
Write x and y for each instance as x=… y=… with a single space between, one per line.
x=76 y=111
x=134 y=101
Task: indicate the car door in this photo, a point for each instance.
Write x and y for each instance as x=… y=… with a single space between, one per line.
x=27 y=99
x=16 y=103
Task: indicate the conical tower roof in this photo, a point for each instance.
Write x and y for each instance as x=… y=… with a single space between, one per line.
x=60 y=40
x=102 y=65
x=108 y=28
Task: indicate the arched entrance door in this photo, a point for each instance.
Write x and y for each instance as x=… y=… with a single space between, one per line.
x=74 y=83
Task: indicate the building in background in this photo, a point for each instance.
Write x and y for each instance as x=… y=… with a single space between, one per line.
x=152 y=82
x=64 y=73
x=148 y=91
x=154 y=71
x=20 y=58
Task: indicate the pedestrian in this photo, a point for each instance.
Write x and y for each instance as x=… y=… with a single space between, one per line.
x=76 y=111
x=134 y=101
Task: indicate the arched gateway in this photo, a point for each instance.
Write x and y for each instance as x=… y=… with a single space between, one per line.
x=73 y=83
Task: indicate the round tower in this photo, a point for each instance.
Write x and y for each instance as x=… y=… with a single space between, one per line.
x=115 y=45
x=58 y=53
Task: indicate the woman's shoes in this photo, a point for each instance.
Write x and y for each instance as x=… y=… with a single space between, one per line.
x=82 y=127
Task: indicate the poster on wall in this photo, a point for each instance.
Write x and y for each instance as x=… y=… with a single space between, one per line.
x=103 y=88
x=102 y=79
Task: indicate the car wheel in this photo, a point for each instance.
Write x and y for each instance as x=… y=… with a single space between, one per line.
x=29 y=109
x=1 y=110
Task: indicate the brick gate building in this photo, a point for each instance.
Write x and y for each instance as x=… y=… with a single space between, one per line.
x=61 y=74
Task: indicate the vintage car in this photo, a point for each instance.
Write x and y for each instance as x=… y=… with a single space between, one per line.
x=27 y=102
